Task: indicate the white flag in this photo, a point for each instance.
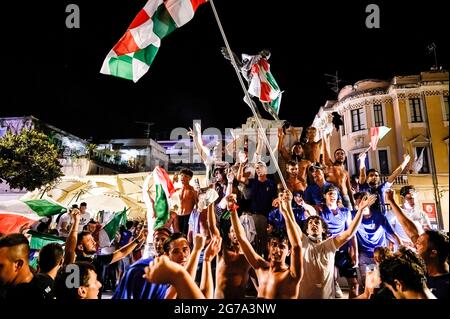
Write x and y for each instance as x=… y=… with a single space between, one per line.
x=418 y=162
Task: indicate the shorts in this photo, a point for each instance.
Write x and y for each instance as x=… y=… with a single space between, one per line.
x=344 y=264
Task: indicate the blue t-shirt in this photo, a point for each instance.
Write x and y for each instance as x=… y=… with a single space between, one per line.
x=338 y=221
x=371 y=232
x=276 y=218
x=378 y=206
x=261 y=195
x=133 y=286
x=314 y=194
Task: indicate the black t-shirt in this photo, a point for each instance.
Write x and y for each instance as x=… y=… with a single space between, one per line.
x=39 y=288
x=99 y=262
x=439 y=285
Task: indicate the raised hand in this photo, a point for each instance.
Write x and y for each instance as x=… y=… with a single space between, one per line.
x=389 y=195
x=213 y=248
x=161 y=270
x=367 y=201
x=199 y=242
x=75 y=214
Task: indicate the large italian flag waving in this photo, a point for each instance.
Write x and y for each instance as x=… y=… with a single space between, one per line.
x=132 y=56
x=16 y=215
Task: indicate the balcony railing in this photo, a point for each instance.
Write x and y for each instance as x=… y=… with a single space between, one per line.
x=399 y=180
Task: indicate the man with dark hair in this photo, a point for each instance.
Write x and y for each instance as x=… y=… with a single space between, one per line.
x=85 y=216
x=314 y=192
x=133 y=285
x=89 y=286
x=319 y=254
x=372 y=183
x=431 y=245
x=311 y=148
x=336 y=174
x=411 y=207
x=50 y=260
x=16 y=276
x=338 y=220
x=275 y=278
x=232 y=268
x=293 y=182
x=405 y=278
x=188 y=200
x=82 y=247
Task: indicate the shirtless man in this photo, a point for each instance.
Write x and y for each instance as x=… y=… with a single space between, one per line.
x=296 y=154
x=276 y=280
x=293 y=182
x=232 y=269
x=188 y=200
x=312 y=149
x=335 y=173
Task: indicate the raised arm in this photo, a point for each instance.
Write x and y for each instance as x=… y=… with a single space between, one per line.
x=197 y=138
x=128 y=249
x=212 y=222
x=283 y=151
x=71 y=241
x=326 y=154
x=343 y=237
x=163 y=271
x=362 y=168
x=206 y=283
x=399 y=169
x=407 y=224
x=255 y=260
x=228 y=191
x=293 y=235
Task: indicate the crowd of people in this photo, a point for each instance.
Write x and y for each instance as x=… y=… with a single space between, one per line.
x=243 y=235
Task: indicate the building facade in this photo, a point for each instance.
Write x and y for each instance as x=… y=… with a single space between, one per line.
x=416 y=110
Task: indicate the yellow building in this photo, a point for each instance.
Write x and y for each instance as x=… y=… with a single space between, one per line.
x=416 y=109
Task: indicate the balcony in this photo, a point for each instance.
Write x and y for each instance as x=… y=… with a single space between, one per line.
x=399 y=180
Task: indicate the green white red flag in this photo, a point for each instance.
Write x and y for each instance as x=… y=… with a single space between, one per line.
x=376 y=134
x=264 y=86
x=132 y=56
x=17 y=215
x=163 y=189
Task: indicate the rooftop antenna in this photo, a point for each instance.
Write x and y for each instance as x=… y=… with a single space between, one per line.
x=432 y=48
x=334 y=82
x=147 y=131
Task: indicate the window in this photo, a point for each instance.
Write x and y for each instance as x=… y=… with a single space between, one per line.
x=446 y=115
x=356 y=163
x=421 y=161
x=378 y=114
x=415 y=110
x=358 y=120
x=383 y=162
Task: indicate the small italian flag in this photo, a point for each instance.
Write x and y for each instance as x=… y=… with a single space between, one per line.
x=132 y=56
x=163 y=189
x=17 y=215
x=264 y=86
x=376 y=134
x=109 y=230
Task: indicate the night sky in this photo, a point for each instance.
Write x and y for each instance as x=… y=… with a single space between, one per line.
x=52 y=72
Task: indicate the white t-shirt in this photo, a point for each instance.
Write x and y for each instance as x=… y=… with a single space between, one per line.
x=318 y=269
x=84 y=220
x=65 y=218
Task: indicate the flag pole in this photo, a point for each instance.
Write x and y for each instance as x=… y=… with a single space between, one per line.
x=247 y=96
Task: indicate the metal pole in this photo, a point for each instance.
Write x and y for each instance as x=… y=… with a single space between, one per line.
x=247 y=96
x=433 y=167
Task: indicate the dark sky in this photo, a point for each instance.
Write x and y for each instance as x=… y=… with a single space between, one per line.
x=52 y=72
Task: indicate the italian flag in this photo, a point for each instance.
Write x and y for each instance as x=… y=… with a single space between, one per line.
x=16 y=215
x=163 y=188
x=264 y=86
x=109 y=230
x=376 y=134
x=132 y=56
